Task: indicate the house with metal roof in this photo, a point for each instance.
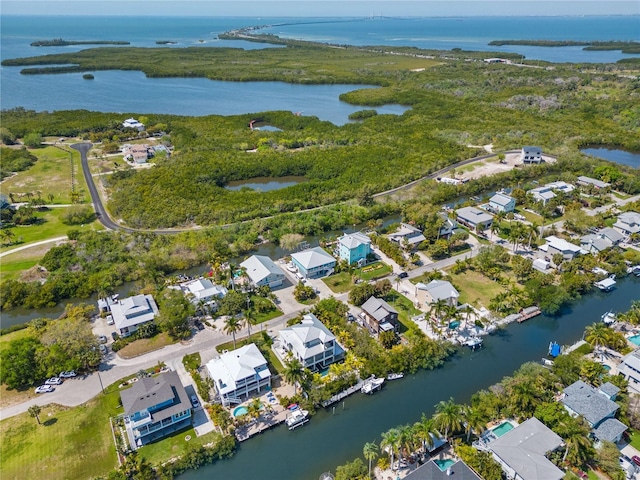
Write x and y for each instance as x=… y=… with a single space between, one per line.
x=354 y=247
x=597 y=242
x=585 y=181
x=203 y=290
x=628 y=223
x=154 y=407
x=542 y=194
x=435 y=291
x=379 y=316
x=132 y=312
x=629 y=368
x=531 y=155
x=474 y=218
x=408 y=235
x=555 y=245
x=597 y=407
x=521 y=452
x=261 y=271
x=449 y=226
x=311 y=342
x=561 y=187
x=314 y=262
x=502 y=203
x=239 y=373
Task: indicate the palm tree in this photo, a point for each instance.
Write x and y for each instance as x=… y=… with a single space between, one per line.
x=495 y=228
x=390 y=443
x=407 y=440
x=232 y=325
x=578 y=446
x=597 y=335
x=34 y=412
x=533 y=232
x=473 y=422
x=249 y=319
x=448 y=416
x=254 y=408
x=438 y=307
x=370 y=452
x=294 y=373
x=425 y=430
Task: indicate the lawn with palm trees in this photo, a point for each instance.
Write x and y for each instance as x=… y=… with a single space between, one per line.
x=475 y=288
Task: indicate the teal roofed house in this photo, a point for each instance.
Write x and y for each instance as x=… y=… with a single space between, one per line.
x=354 y=247
x=314 y=262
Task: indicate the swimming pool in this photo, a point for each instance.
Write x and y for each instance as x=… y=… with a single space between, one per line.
x=444 y=464
x=240 y=411
x=607 y=368
x=501 y=429
x=635 y=339
x=453 y=325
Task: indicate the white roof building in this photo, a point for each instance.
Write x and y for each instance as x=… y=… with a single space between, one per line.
x=542 y=194
x=130 y=313
x=474 y=218
x=408 y=233
x=263 y=271
x=313 y=262
x=203 y=290
x=560 y=186
x=239 y=373
x=630 y=369
x=628 y=223
x=558 y=245
x=582 y=180
x=501 y=202
x=437 y=290
x=133 y=123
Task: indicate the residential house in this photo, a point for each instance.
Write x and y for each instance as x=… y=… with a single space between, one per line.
x=314 y=262
x=354 y=247
x=239 y=373
x=407 y=235
x=541 y=265
x=435 y=291
x=542 y=194
x=629 y=368
x=521 y=452
x=379 y=316
x=597 y=407
x=502 y=203
x=531 y=155
x=137 y=154
x=203 y=291
x=561 y=187
x=597 y=242
x=474 y=218
x=154 y=407
x=133 y=123
x=261 y=271
x=558 y=245
x=586 y=181
x=449 y=226
x=310 y=342
x=628 y=223
x=132 y=312
x=431 y=471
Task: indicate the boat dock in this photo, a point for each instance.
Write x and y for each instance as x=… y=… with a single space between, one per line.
x=344 y=394
x=527 y=313
x=259 y=425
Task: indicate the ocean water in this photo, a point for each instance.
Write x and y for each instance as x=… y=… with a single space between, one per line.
x=120 y=91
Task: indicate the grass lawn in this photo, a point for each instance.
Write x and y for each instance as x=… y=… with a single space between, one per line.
x=258 y=339
x=405 y=309
x=339 y=282
x=265 y=316
x=175 y=445
x=51 y=174
x=342 y=282
x=634 y=437
x=146 y=345
x=15 y=263
x=71 y=443
x=51 y=226
x=475 y=288
x=531 y=217
x=373 y=271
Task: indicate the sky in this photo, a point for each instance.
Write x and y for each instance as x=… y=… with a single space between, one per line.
x=317 y=8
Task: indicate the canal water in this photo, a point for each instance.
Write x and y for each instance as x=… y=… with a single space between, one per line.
x=331 y=439
x=616 y=155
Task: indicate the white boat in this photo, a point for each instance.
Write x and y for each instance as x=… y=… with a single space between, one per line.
x=291 y=267
x=609 y=318
x=371 y=385
x=297 y=418
x=474 y=342
x=395 y=376
x=607 y=284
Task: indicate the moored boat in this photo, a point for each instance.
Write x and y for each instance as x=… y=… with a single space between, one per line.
x=371 y=385
x=554 y=349
x=297 y=418
x=609 y=318
x=395 y=376
x=474 y=342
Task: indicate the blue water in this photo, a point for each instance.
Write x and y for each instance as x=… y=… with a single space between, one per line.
x=240 y=411
x=444 y=464
x=635 y=339
x=503 y=428
x=615 y=155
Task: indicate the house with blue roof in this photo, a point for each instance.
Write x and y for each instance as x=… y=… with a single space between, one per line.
x=314 y=262
x=354 y=247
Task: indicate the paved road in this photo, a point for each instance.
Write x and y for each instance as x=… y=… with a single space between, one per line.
x=34 y=244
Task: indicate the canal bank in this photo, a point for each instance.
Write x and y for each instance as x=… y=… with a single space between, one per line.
x=333 y=439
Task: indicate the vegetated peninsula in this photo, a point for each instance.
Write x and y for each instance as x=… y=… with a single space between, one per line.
x=59 y=42
x=624 y=47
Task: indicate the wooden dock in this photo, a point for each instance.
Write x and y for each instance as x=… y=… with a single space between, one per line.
x=528 y=313
x=343 y=394
x=261 y=424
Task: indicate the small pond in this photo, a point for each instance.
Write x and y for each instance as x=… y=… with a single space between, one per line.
x=266 y=184
x=616 y=155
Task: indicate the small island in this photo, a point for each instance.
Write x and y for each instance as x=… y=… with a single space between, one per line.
x=88 y=76
x=59 y=42
x=624 y=47
x=166 y=42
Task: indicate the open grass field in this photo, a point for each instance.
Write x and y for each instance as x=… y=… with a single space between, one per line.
x=175 y=445
x=50 y=226
x=71 y=442
x=16 y=263
x=51 y=174
x=339 y=282
x=265 y=316
x=405 y=309
x=474 y=288
x=342 y=282
x=145 y=345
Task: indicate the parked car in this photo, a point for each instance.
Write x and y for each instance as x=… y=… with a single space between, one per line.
x=194 y=401
x=110 y=320
x=44 y=389
x=102 y=338
x=199 y=325
x=69 y=374
x=103 y=349
x=114 y=335
x=636 y=459
x=403 y=275
x=53 y=381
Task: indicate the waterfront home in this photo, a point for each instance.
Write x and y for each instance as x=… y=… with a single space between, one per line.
x=379 y=316
x=586 y=181
x=138 y=154
x=542 y=194
x=261 y=271
x=597 y=407
x=132 y=312
x=531 y=155
x=541 y=265
x=443 y=470
x=203 y=291
x=407 y=235
x=629 y=368
x=154 y=407
x=314 y=262
x=354 y=247
x=311 y=342
x=435 y=291
x=555 y=245
x=502 y=203
x=133 y=123
x=239 y=373
x=474 y=218
x=597 y=242
x=521 y=452
x=449 y=226
x=561 y=187
x=628 y=223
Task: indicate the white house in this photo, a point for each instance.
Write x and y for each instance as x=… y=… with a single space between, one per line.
x=239 y=373
x=558 y=245
x=502 y=203
x=310 y=342
x=407 y=234
x=628 y=223
x=582 y=180
x=130 y=313
x=203 y=290
x=133 y=123
x=437 y=290
x=597 y=242
x=448 y=227
x=630 y=368
x=531 y=155
x=261 y=270
x=313 y=262
x=542 y=194
x=474 y=218
x=562 y=187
